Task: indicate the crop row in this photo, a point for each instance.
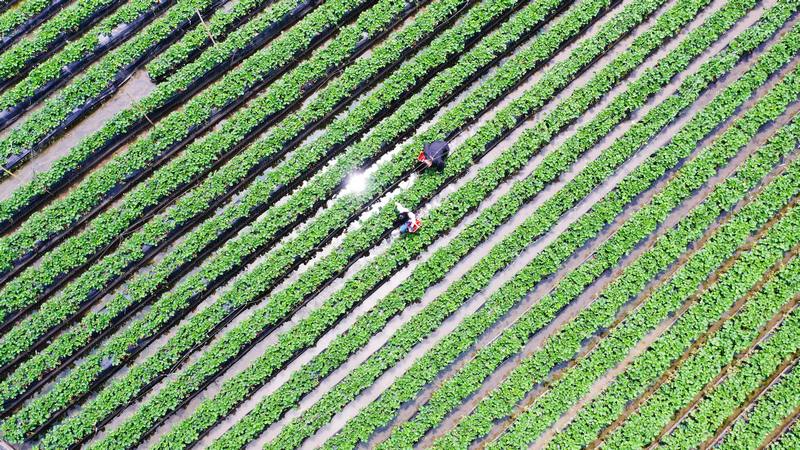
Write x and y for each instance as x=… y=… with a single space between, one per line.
x=258 y=197
x=427 y=273
x=203 y=154
x=667 y=255
x=317 y=414
x=262 y=321
x=497 y=406
x=789 y=439
x=52 y=34
x=238 y=340
x=26 y=15
x=376 y=414
x=726 y=348
x=157 y=233
x=725 y=233
x=271 y=270
x=92 y=281
x=699 y=350
x=780 y=401
x=177 y=128
x=563 y=346
x=76 y=55
x=143 y=287
x=669 y=296
x=102 y=80
x=58 y=112
x=467 y=380
x=388 y=129
x=639 y=429
x=275 y=182
x=198 y=39
x=198 y=157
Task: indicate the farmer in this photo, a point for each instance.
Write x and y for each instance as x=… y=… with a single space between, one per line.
x=434 y=154
x=410 y=223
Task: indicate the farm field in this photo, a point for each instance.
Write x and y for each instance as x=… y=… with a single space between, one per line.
x=201 y=245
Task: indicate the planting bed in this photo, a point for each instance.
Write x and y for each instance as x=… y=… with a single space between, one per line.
x=200 y=246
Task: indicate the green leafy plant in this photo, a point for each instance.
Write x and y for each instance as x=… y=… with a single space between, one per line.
x=778 y=403
x=732 y=345
x=788 y=440
x=456 y=120
x=24 y=11
x=666 y=299
x=638 y=430
x=30 y=88
x=43 y=122
x=194 y=41
x=92 y=83
x=455 y=390
x=201 y=155
x=273 y=269
x=199 y=200
x=50 y=35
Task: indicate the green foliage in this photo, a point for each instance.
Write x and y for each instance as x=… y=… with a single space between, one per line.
x=200 y=199
x=168 y=131
x=751 y=365
x=274 y=268
x=597 y=316
x=779 y=402
x=640 y=428
x=69 y=20
x=73 y=250
x=320 y=187
x=86 y=86
x=455 y=390
x=197 y=157
x=57 y=65
x=667 y=298
x=160 y=315
x=790 y=438
x=218 y=27
x=24 y=10
x=379 y=412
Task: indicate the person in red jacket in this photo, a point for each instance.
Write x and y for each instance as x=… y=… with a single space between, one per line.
x=410 y=223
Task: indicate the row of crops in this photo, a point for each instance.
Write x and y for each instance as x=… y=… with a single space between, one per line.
x=199 y=229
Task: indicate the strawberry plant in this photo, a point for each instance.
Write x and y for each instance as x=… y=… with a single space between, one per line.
x=730 y=344
x=748 y=269
x=199 y=156
x=607 y=253
x=456 y=120
x=455 y=390
x=45 y=77
x=50 y=35
x=197 y=202
x=88 y=88
x=788 y=440
x=200 y=37
x=41 y=124
x=666 y=299
x=26 y=12
x=779 y=402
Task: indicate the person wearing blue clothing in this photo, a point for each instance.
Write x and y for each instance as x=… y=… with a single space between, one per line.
x=410 y=223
